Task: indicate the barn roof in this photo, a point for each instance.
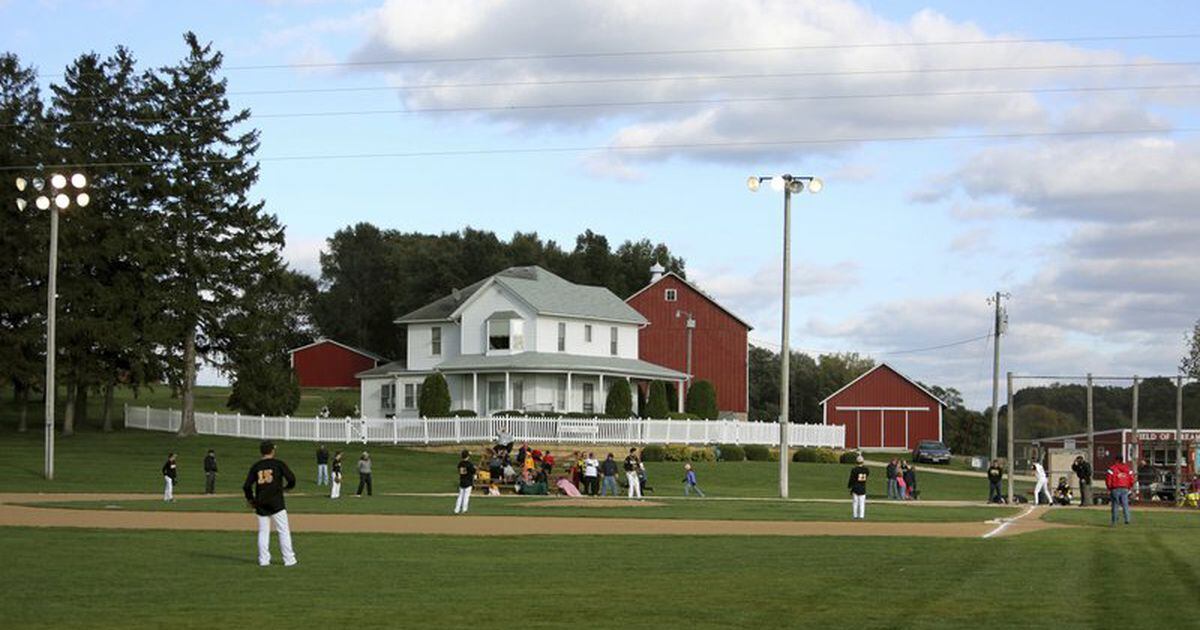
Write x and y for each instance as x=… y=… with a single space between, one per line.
x=698 y=291
x=365 y=353
x=896 y=372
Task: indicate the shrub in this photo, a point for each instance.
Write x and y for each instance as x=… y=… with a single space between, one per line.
x=340 y=407
x=578 y=414
x=510 y=413
x=675 y=453
x=702 y=400
x=641 y=402
x=732 y=452
x=463 y=413
x=704 y=454
x=826 y=456
x=675 y=415
x=434 y=401
x=619 y=402
x=657 y=406
x=849 y=457
x=543 y=414
x=757 y=453
x=653 y=453
x=805 y=454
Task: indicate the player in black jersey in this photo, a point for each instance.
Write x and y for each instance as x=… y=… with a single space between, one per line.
x=858 y=488
x=265 y=484
x=466 y=480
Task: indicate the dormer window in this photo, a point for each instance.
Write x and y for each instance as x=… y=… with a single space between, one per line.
x=505 y=331
x=670 y=295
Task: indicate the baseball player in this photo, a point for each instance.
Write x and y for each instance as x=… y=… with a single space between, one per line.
x=210 y=472
x=858 y=489
x=466 y=479
x=1042 y=487
x=170 y=471
x=631 y=474
x=265 y=484
x=335 y=491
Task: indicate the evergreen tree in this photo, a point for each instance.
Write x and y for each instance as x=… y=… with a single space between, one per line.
x=214 y=238
x=619 y=403
x=434 y=401
x=1190 y=365
x=657 y=406
x=702 y=400
x=24 y=140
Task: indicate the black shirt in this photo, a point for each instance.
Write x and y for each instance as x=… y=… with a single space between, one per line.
x=466 y=474
x=858 y=479
x=631 y=463
x=1083 y=470
x=608 y=467
x=995 y=473
x=169 y=470
x=322 y=456
x=336 y=466
x=265 y=484
x=210 y=463
x=891 y=471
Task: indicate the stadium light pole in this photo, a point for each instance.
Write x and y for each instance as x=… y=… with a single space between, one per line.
x=787 y=184
x=54 y=195
x=691 y=325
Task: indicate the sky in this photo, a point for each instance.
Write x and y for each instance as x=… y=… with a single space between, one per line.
x=1045 y=150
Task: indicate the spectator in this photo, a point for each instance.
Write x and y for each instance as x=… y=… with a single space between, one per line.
x=995 y=475
x=1041 y=489
x=210 y=472
x=575 y=470
x=900 y=484
x=609 y=470
x=910 y=481
x=591 y=475
x=689 y=482
x=322 y=466
x=496 y=467
x=643 y=484
x=857 y=485
x=631 y=474
x=1062 y=492
x=1118 y=480
x=548 y=464
x=335 y=491
x=1145 y=478
x=364 y=474
x=893 y=486
x=504 y=440
x=522 y=454
x=170 y=471
x=1083 y=470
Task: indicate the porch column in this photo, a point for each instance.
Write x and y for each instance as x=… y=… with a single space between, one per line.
x=397 y=401
x=680 y=392
x=475 y=392
x=507 y=390
x=634 y=393
x=570 y=394
x=603 y=396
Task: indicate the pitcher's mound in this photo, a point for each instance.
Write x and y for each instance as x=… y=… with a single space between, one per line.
x=591 y=503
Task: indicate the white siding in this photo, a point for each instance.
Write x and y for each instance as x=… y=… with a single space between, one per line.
x=474 y=319
x=420 y=345
x=627 y=335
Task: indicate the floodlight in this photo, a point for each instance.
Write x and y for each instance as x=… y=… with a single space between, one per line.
x=752 y=183
x=58 y=181
x=815 y=185
x=38 y=183
x=78 y=180
x=62 y=201
x=777 y=183
x=82 y=200
x=21 y=203
x=794 y=186
x=43 y=202
x=21 y=184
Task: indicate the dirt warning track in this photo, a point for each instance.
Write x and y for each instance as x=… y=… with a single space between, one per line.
x=467 y=525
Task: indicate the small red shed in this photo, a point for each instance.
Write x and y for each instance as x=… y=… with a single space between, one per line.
x=884 y=409
x=327 y=363
x=719 y=338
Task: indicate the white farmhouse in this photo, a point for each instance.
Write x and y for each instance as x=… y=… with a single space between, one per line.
x=523 y=339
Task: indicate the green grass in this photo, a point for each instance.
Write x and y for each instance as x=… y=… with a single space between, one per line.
x=130 y=461
x=1158 y=519
x=715 y=509
x=1081 y=578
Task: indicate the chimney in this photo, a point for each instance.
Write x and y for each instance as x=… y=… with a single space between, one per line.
x=656 y=272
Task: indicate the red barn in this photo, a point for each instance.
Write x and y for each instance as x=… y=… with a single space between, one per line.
x=884 y=409
x=719 y=338
x=327 y=363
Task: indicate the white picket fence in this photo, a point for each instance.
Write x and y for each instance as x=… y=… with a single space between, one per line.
x=481 y=430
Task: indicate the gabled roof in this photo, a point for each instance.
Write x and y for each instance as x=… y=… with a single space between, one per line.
x=365 y=353
x=894 y=370
x=695 y=288
x=384 y=370
x=544 y=292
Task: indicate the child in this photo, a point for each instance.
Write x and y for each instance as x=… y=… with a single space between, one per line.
x=170 y=471
x=689 y=481
x=335 y=491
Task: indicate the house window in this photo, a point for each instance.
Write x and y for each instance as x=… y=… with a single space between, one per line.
x=412 y=394
x=560 y=397
x=587 y=333
x=435 y=341
x=387 y=397
x=670 y=295
x=589 y=398
x=518 y=394
x=612 y=341
x=495 y=395
x=498 y=335
x=562 y=337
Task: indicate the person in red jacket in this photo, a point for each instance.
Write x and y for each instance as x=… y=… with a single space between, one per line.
x=1119 y=479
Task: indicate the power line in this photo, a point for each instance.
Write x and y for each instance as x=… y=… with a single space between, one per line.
x=669 y=102
x=710 y=51
x=951 y=344
x=749 y=144
x=693 y=77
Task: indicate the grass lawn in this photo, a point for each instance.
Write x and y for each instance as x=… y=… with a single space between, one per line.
x=519 y=506
x=1080 y=578
x=130 y=461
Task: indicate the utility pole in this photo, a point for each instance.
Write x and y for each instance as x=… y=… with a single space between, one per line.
x=999 y=326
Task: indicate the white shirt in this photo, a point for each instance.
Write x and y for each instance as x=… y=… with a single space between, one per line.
x=1039 y=472
x=591 y=467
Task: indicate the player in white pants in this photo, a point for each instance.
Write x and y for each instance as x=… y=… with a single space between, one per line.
x=631 y=474
x=335 y=491
x=858 y=489
x=265 y=484
x=170 y=471
x=283 y=531
x=1043 y=483
x=466 y=480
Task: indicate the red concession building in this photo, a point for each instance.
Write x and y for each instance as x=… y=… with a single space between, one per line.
x=719 y=338
x=884 y=409
x=327 y=363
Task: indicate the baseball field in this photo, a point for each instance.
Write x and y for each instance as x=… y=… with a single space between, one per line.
x=98 y=548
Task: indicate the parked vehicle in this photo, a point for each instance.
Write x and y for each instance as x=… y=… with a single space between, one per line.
x=932 y=452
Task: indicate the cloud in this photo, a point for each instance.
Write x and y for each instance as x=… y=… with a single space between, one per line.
x=304 y=254
x=971 y=241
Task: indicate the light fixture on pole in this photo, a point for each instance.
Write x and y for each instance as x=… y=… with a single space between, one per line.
x=691 y=325
x=787 y=184
x=62 y=194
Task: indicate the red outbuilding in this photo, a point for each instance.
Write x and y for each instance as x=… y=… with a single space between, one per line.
x=719 y=338
x=884 y=409
x=327 y=363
